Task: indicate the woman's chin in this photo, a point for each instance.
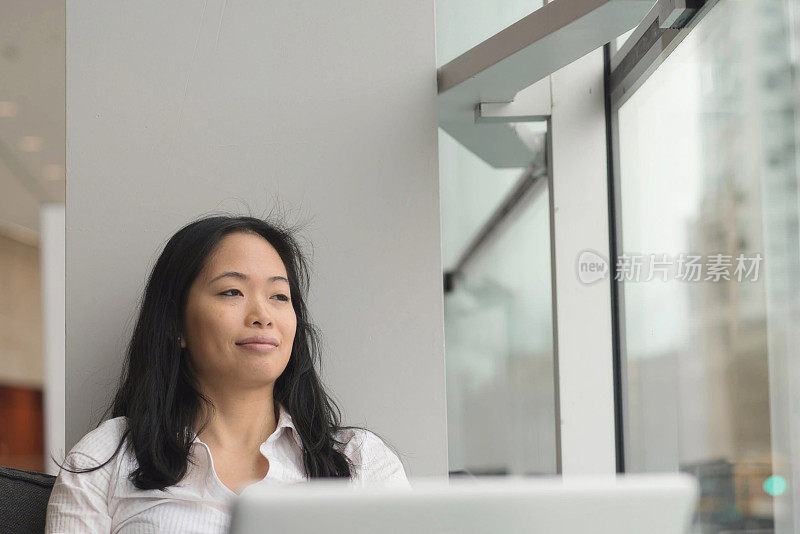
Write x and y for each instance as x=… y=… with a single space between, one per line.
x=259 y=373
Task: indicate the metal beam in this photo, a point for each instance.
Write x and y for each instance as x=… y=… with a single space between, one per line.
x=659 y=33
x=517 y=57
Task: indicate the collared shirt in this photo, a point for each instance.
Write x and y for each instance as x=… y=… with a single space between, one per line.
x=106 y=500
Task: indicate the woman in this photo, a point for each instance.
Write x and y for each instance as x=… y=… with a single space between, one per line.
x=218 y=390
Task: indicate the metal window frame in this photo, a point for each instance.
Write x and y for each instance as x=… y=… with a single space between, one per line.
x=656 y=37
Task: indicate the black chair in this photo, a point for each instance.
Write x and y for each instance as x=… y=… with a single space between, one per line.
x=23 y=500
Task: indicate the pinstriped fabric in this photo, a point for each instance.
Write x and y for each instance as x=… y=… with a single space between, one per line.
x=106 y=501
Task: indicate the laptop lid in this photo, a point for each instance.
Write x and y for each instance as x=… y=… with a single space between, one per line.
x=625 y=504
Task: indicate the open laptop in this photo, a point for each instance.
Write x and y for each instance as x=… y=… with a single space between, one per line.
x=626 y=504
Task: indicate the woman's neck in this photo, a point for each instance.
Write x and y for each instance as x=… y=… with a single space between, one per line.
x=240 y=420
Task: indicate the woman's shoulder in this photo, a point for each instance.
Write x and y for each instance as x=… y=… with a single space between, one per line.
x=372 y=457
x=99 y=444
x=81 y=498
x=354 y=439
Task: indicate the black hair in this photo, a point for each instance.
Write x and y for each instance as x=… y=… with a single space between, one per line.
x=157 y=392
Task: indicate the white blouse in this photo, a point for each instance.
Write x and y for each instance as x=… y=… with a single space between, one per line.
x=106 y=501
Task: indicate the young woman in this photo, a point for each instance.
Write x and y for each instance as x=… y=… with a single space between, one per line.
x=218 y=390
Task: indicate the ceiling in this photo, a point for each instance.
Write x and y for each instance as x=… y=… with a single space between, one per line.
x=32 y=113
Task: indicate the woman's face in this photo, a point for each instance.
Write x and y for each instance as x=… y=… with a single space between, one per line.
x=241 y=293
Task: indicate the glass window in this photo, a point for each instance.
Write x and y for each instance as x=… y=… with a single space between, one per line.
x=499 y=349
x=498 y=315
x=707 y=179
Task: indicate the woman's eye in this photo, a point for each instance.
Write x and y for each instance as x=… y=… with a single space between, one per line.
x=228 y=291
x=281 y=295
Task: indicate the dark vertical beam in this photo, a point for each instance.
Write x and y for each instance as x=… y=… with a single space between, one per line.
x=613 y=244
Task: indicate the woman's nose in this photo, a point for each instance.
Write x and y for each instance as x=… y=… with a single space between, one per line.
x=259 y=312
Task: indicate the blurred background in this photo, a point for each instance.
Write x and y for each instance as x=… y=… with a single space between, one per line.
x=32 y=195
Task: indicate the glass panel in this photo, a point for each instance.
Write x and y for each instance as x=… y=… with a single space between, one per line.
x=470 y=191
x=499 y=350
x=707 y=177
x=498 y=317
x=461 y=25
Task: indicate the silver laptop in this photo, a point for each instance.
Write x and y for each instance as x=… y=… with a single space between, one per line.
x=628 y=504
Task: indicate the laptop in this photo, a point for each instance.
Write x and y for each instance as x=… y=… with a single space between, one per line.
x=624 y=504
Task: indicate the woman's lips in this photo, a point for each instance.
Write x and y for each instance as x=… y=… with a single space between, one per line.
x=259 y=347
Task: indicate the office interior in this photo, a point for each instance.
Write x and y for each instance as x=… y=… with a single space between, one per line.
x=550 y=238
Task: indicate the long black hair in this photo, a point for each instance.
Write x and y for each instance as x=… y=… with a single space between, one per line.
x=158 y=394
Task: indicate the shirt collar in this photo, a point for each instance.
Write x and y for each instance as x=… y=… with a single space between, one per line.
x=284 y=421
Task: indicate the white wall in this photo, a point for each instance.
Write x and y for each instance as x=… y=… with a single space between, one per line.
x=178 y=108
